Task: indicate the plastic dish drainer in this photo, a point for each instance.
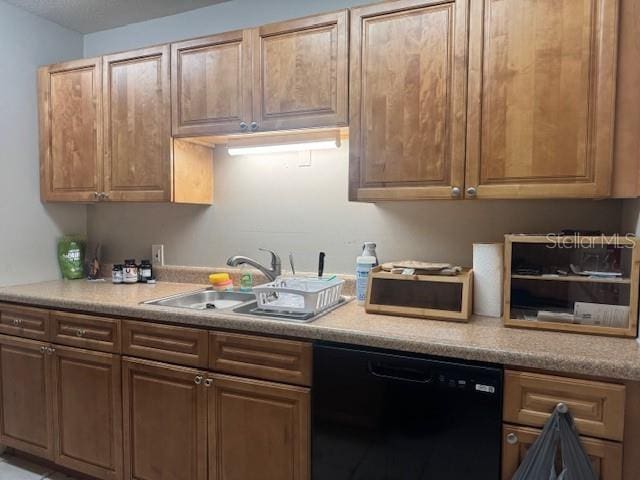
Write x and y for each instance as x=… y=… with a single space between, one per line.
x=299 y=294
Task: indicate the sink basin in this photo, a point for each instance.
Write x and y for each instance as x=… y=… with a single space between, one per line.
x=205 y=300
x=243 y=304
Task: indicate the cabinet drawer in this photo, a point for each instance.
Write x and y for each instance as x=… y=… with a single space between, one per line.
x=24 y=322
x=85 y=331
x=605 y=456
x=167 y=343
x=597 y=407
x=275 y=359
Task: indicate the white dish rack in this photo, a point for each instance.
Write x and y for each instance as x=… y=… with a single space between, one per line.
x=300 y=295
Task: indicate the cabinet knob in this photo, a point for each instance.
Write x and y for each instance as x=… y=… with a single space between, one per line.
x=208 y=382
x=198 y=379
x=43 y=349
x=243 y=126
x=254 y=126
x=471 y=192
x=80 y=332
x=562 y=407
x=512 y=439
x=96 y=196
x=455 y=192
x=51 y=350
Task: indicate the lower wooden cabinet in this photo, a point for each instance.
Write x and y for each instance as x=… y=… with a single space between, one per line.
x=165 y=421
x=183 y=424
x=87 y=411
x=606 y=456
x=257 y=430
x=25 y=391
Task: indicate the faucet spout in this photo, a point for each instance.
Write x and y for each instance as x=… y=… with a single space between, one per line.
x=271 y=274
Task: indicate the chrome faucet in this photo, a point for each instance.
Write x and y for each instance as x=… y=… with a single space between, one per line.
x=276 y=264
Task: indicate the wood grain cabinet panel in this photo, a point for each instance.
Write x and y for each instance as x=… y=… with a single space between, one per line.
x=25 y=322
x=287 y=361
x=301 y=73
x=597 y=407
x=137 y=125
x=167 y=343
x=541 y=98
x=165 y=422
x=70 y=102
x=605 y=456
x=85 y=331
x=211 y=84
x=25 y=393
x=258 y=430
x=407 y=100
x=87 y=406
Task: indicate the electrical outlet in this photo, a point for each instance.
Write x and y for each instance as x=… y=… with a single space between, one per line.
x=157 y=254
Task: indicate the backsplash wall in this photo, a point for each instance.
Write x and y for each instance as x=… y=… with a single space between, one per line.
x=272 y=202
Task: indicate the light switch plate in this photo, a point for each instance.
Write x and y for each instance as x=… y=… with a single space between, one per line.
x=157 y=254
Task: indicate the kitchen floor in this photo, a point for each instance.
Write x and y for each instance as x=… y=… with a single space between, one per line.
x=15 y=468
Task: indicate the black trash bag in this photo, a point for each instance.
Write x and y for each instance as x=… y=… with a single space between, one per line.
x=540 y=461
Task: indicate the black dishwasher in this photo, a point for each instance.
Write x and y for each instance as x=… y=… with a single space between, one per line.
x=381 y=415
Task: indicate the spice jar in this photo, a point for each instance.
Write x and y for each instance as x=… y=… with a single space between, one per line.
x=117 y=273
x=145 y=272
x=130 y=271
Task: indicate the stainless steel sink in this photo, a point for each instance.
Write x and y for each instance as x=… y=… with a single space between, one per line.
x=205 y=300
x=235 y=303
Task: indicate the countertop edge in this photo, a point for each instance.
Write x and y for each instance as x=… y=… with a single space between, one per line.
x=613 y=369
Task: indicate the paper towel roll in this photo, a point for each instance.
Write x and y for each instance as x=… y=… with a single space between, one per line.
x=488 y=261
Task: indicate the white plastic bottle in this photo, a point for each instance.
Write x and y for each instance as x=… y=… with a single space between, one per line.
x=364 y=264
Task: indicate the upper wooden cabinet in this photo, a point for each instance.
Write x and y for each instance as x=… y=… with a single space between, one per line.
x=105 y=134
x=541 y=98
x=211 y=84
x=287 y=75
x=300 y=73
x=70 y=101
x=407 y=100
x=137 y=127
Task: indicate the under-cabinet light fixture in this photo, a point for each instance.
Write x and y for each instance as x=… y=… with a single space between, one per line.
x=281 y=143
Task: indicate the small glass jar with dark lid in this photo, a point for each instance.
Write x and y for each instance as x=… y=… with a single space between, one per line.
x=145 y=271
x=117 y=273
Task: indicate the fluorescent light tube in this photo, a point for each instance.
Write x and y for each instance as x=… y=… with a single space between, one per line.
x=284 y=147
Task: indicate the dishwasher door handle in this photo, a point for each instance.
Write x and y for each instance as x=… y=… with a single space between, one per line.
x=401 y=374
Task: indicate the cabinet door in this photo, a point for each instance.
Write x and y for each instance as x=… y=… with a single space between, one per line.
x=606 y=457
x=137 y=126
x=87 y=412
x=258 y=430
x=407 y=100
x=70 y=104
x=301 y=73
x=211 y=84
x=541 y=98
x=165 y=422
x=25 y=406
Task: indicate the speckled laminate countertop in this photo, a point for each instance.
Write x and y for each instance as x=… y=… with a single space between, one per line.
x=483 y=339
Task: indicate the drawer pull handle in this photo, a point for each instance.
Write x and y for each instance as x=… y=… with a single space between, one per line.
x=562 y=407
x=17 y=322
x=512 y=439
x=208 y=382
x=198 y=379
x=80 y=332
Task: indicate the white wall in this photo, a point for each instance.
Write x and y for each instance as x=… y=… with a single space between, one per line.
x=271 y=202
x=29 y=228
